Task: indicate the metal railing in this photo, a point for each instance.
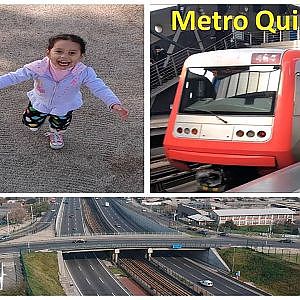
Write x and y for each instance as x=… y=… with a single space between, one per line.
x=170 y=67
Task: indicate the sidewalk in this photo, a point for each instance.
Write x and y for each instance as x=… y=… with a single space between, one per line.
x=101 y=153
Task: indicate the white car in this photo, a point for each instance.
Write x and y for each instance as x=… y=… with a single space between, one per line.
x=206 y=282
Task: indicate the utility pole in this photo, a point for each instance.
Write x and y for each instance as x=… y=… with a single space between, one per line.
x=233 y=259
x=7 y=222
x=1 y=277
x=31 y=213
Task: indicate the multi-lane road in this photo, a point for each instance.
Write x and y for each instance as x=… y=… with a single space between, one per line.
x=195 y=271
x=91 y=276
x=72 y=222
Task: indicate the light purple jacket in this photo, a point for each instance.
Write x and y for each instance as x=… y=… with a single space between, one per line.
x=58 y=98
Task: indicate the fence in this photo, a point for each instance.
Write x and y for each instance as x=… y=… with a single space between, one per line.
x=28 y=290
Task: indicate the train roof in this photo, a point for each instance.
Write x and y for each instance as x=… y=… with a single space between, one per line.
x=229 y=57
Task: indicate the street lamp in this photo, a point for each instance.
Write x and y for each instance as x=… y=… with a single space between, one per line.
x=7 y=222
x=31 y=213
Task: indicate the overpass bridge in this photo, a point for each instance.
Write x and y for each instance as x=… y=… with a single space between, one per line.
x=135 y=241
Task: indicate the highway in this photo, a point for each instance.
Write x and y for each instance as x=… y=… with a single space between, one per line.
x=72 y=218
x=115 y=219
x=91 y=277
x=195 y=271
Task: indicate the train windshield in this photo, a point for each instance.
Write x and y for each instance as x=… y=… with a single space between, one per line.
x=230 y=90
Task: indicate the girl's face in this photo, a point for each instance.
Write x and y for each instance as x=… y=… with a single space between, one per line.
x=65 y=54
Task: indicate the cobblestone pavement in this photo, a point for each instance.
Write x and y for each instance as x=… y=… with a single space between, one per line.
x=101 y=153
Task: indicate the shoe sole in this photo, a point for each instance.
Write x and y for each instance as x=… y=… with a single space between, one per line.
x=34 y=129
x=56 y=147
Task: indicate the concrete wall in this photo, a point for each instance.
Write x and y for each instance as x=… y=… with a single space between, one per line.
x=149 y=225
x=210 y=256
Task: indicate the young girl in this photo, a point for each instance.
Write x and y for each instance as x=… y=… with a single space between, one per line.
x=57 y=81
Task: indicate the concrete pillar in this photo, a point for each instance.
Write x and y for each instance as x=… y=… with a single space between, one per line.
x=150 y=251
x=116 y=255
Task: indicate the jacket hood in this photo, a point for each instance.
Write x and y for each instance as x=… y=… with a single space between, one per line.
x=41 y=67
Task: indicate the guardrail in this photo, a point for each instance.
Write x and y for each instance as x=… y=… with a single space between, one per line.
x=59 y=218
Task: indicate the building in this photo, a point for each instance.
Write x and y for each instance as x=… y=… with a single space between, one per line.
x=254 y=216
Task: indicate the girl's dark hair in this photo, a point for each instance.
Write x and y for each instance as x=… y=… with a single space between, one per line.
x=67 y=37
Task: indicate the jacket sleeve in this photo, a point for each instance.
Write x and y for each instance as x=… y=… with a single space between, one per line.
x=16 y=77
x=99 y=89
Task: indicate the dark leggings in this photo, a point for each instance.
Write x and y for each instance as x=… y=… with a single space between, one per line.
x=34 y=119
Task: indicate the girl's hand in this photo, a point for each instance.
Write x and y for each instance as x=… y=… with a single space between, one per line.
x=120 y=110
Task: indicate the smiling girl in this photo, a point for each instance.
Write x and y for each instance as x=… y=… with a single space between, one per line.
x=57 y=81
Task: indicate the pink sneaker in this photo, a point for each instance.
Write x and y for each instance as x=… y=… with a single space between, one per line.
x=56 y=139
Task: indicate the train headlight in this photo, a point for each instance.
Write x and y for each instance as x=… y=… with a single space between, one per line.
x=179 y=130
x=194 y=131
x=186 y=130
x=250 y=133
x=240 y=133
x=261 y=134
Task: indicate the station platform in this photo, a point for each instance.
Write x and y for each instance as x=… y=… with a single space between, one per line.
x=286 y=180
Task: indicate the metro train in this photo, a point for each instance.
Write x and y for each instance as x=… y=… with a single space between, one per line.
x=236 y=108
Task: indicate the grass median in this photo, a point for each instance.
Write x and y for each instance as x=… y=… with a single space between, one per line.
x=268 y=272
x=42 y=274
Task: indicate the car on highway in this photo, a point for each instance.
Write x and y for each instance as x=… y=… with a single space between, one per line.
x=206 y=282
x=202 y=232
x=286 y=241
x=223 y=233
x=79 y=241
x=4 y=237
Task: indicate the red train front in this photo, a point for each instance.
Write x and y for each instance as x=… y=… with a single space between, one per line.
x=238 y=107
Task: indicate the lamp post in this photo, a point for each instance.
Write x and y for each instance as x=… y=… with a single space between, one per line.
x=7 y=222
x=31 y=210
x=233 y=256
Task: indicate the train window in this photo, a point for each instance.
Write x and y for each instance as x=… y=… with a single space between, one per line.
x=263 y=82
x=237 y=90
x=252 y=82
x=232 y=86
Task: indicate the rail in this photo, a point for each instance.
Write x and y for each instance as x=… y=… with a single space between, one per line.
x=153 y=280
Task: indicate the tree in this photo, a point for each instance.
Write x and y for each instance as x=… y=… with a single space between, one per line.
x=228 y=225
x=17 y=214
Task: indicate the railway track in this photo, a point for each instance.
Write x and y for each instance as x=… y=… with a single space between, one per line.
x=153 y=280
x=165 y=178
x=93 y=221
